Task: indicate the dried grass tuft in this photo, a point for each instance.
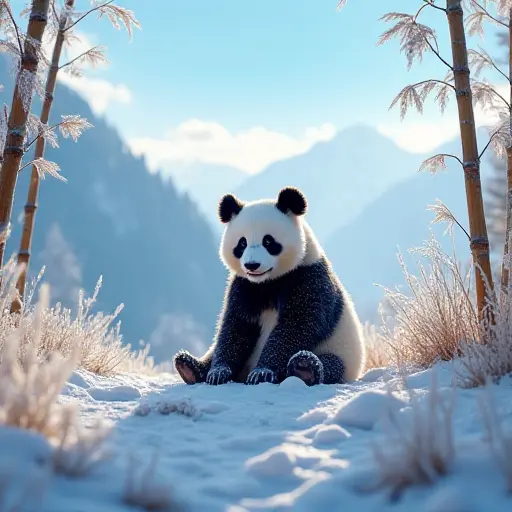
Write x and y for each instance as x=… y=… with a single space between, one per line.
x=378 y=352
x=98 y=342
x=436 y=316
x=29 y=393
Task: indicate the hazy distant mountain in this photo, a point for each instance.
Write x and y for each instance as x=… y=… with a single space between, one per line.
x=339 y=177
x=206 y=184
x=365 y=251
x=157 y=254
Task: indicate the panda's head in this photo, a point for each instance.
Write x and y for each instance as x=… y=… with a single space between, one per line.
x=263 y=239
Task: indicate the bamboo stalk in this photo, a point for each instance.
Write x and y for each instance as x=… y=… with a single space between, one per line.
x=33 y=191
x=505 y=268
x=479 y=243
x=17 y=123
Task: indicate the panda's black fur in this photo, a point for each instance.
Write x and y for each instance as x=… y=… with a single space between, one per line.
x=308 y=302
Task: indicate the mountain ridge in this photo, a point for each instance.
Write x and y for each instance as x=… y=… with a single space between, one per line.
x=157 y=253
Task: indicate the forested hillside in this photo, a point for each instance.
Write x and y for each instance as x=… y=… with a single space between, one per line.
x=113 y=218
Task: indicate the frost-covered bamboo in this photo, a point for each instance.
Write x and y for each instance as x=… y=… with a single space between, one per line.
x=479 y=242
x=31 y=205
x=17 y=123
x=72 y=125
x=505 y=274
x=416 y=39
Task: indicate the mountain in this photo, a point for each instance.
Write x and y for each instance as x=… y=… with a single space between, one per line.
x=364 y=252
x=113 y=218
x=206 y=184
x=339 y=177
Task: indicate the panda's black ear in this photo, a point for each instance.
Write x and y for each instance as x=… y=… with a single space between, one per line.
x=291 y=199
x=229 y=206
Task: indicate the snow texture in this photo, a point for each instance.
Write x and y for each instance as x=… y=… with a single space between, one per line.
x=240 y=448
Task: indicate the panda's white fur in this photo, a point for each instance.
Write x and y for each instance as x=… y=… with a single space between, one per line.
x=256 y=220
x=300 y=247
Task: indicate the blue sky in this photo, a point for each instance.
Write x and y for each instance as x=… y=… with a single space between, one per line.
x=293 y=71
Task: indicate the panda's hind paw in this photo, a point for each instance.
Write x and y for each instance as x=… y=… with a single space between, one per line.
x=260 y=375
x=306 y=366
x=187 y=366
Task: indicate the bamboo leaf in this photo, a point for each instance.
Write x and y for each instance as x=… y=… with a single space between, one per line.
x=415 y=95
x=487 y=97
x=415 y=38
x=474 y=24
x=500 y=137
x=93 y=57
x=480 y=60
x=443 y=214
x=434 y=163
x=45 y=167
x=120 y=16
x=73 y=126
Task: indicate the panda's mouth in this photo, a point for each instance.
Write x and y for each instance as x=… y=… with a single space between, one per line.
x=258 y=274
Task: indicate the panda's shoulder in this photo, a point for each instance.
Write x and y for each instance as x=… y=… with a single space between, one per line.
x=319 y=269
x=312 y=277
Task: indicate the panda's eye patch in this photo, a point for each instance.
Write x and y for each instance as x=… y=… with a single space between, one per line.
x=273 y=248
x=268 y=241
x=238 y=251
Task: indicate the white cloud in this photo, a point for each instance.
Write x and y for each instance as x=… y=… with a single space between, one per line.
x=250 y=150
x=99 y=93
x=419 y=135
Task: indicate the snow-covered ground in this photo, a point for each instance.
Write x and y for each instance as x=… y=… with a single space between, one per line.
x=242 y=448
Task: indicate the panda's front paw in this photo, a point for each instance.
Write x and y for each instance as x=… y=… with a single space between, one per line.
x=219 y=375
x=259 y=375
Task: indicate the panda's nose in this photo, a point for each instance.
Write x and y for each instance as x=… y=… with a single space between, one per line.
x=252 y=266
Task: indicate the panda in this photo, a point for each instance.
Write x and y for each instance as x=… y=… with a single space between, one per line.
x=285 y=312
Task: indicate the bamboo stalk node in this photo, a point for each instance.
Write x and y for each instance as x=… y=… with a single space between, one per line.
x=23 y=252
x=479 y=242
x=461 y=69
x=38 y=16
x=13 y=150
x=462 y=92
x=29 y=63
x=18 y=131
x=470 y=164
x=454 y=9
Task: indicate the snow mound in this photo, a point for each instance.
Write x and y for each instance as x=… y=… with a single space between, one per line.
x=330 y=434
x=271 y=448
x=365 y=409
x=278 y=461
x=375 y=374
x=293 y=384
